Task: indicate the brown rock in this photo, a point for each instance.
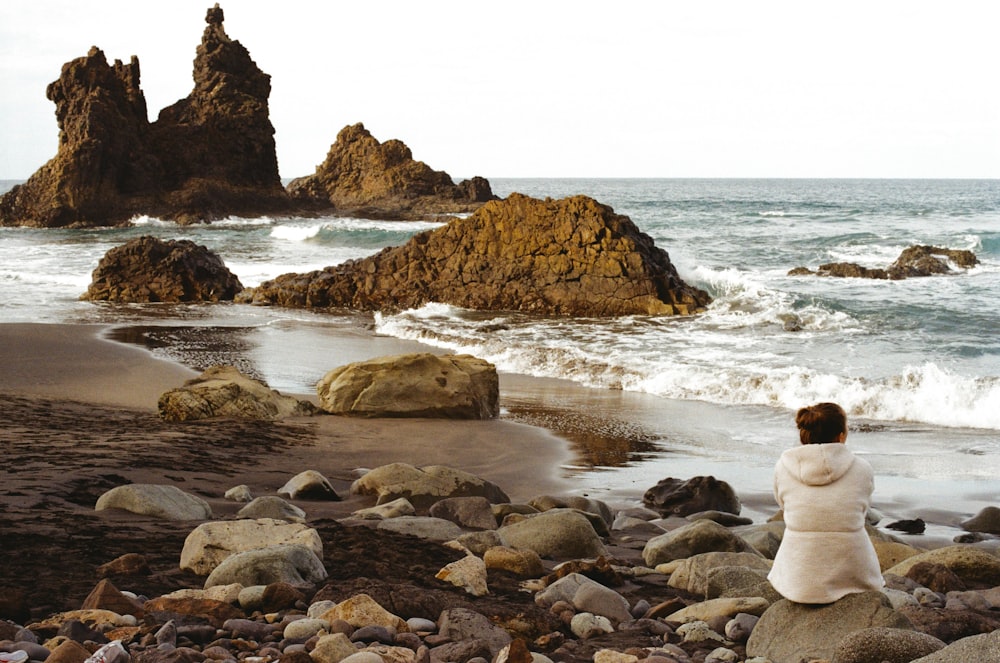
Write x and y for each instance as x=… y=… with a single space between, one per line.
x=69 y=651
x=222 y=391
x=936 y=577
x=209 y=155
x=925 y=261
x=950 y=625
x=364 y=177
x=914 y=261
x=214 y=612
x=105 y=596
x=280 y=596
x=851 y=270
x=129 y=564
x=147 y=269
x=572 y=256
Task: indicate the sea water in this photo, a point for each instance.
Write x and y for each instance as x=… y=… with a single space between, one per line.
x=916 y=363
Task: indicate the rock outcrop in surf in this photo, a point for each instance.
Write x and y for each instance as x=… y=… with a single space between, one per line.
x=366 y=178
x=210 y=155
x=914 y=261
x=148 y=269
x=572 y=256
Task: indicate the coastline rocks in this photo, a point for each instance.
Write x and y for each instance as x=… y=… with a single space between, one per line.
x=413 y=385
x=678 y=497
x=148 y=269
x=366 y=178
x=209 y=155
x=914 y=261
x=294 y=564
x=222 y=391
x=572 y=256
x=694 y=573
x=209 y=544
x=791 y=632
x=424 y=486
x=158 y=501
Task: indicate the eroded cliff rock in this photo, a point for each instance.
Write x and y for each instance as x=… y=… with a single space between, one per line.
x=147 y=269
x=209 y=155
x=572 y=256
x=364 y=177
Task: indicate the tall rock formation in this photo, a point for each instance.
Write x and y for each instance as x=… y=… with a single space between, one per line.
x=572 y=256
x=207 y=156
x=364 y=177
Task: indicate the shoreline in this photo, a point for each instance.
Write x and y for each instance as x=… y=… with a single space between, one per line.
x=604 y=444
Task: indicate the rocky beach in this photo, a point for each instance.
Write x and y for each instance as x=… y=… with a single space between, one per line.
x=429 y=583
x=434 y=506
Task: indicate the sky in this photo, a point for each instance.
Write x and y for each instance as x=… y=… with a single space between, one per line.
x=552 y=88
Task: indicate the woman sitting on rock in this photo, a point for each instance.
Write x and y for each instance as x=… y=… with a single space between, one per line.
x=825 y=492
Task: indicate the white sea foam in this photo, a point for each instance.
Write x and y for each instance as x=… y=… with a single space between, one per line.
x=296 y=233
x=151 y=221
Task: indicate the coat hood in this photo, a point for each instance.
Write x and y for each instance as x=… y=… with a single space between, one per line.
x=818 y=464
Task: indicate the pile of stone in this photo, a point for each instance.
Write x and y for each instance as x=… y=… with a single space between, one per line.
x=608 y=587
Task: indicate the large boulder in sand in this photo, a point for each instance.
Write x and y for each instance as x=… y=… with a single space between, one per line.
x=210 y=155
x=572 y=256
x=792 y=632
x=222 y=391
x=680 y=497
x=211 y=543
x=363 y=177
x=147 y=269
x=425 y=485
x=158 y=501
x=413 y=385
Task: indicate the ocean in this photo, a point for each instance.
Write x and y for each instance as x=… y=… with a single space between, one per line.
x=916 y=363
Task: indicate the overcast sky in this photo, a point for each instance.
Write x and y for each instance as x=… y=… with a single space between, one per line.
x=544 y=88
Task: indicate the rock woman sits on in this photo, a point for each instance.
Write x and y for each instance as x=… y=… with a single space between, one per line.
x=825 y=492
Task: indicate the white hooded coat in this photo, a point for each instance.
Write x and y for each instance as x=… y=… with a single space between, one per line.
x=825 y=554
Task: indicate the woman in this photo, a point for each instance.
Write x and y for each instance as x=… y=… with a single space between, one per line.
x=825 y=492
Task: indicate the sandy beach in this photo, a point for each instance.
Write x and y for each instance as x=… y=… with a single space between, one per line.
x=79 y=417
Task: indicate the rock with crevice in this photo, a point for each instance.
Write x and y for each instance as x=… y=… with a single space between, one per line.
x=572 y=256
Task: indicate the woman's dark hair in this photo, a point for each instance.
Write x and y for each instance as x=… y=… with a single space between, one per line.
x=821 y=423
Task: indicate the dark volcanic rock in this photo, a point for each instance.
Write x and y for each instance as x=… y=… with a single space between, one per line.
x=382 y=180
x=572 y=256
x=207 y=156
x=677 y=497
x=147 y=269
